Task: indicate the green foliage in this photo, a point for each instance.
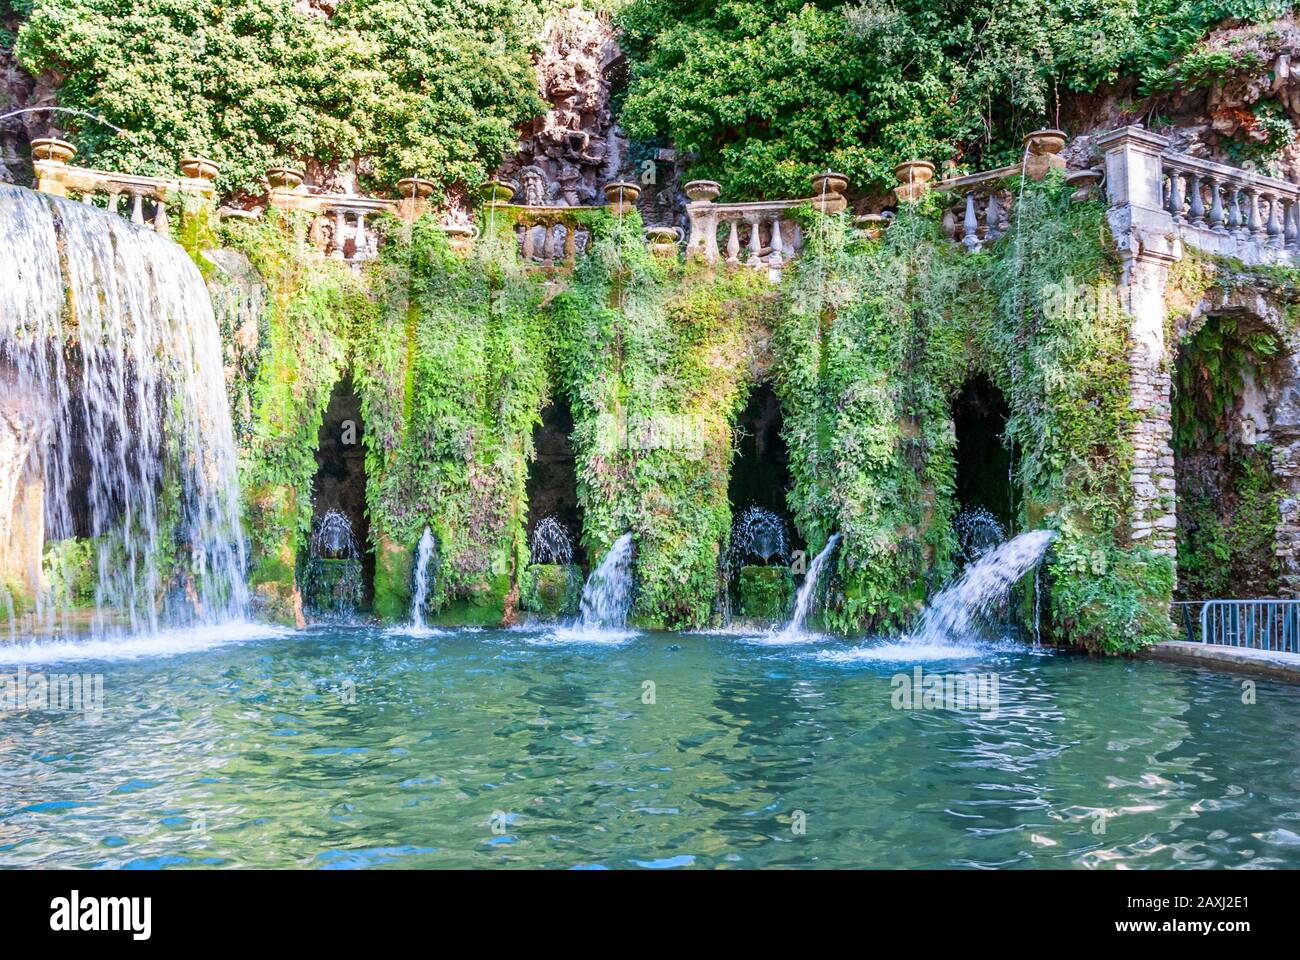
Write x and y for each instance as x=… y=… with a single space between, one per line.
x=653 y=358
x=878 y=337
x=1228 y=505
x=764 y=93
x=868 y=355
x=310 y=306
x=453 y=373
x=765 y=593
x=432 y=87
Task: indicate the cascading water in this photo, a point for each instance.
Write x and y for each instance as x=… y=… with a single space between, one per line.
x=954 y=616
x=115 y=419
x=332 y=580
x=978 y=532
x=550 y=542
x=423 y=554
x=608 y=592
x=803 y=600
x=758 y=535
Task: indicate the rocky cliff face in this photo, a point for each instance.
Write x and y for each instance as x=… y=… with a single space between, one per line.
x=19 y=89
x=1245 y=112
x=566 y=155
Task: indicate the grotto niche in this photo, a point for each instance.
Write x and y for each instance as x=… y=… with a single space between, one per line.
x=979 y=416
x=555 y=546
x=338 y=572
x=1227 y=491
x=760 y=581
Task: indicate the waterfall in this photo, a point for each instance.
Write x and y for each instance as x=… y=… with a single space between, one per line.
x=608 y=592
x=116 y=417
x=550 y=542
x=423 y=553
x=803 y=600
x=955 y=614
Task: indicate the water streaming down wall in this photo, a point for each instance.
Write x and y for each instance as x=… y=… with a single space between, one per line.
x=608 y=594
x=808 y=590
x=116 y=418
x=420 y=593
x=958 y=612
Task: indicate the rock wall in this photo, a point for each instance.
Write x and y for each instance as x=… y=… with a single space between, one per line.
x=568 y=153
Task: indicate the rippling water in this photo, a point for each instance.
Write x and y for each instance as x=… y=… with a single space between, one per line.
x=357 y=747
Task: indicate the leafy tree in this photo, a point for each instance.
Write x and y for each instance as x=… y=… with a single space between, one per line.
x=432 y=87
x=764 y=93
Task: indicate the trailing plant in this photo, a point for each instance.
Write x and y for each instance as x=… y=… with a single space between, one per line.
x=654 y=358
x=453 y=374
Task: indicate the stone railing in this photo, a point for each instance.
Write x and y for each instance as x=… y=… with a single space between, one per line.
x=551 y=237
x=760 y=234
x=146 y=198
x=341 y=226
x=1227 y=210
x=984 y=203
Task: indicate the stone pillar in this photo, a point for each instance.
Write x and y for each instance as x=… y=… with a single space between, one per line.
x=22 y=492
x=1147 y=245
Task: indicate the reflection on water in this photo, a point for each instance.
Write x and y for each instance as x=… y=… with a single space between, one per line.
x=342 y=748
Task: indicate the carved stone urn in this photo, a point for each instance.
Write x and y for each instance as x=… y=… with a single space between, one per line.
x=872 y=225
x=199 y=168
x=914 y=179
x=53 y=150
x=828 y=192
x=498 y=191
x=461 y=236
x=1041 y=149
x=664 y=240
x=416 y=188
x=284 y=178
x=621 y=195
x=1085 y=183
x=703 y=191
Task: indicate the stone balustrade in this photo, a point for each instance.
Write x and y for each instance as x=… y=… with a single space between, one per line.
x=760 y=234
x=341 y=226
x=983 y=211
x=142 y=200
x=1231 y=211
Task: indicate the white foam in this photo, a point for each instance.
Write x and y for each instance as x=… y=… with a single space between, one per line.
x=596 y=636
x=901 y=652
x=163 y=643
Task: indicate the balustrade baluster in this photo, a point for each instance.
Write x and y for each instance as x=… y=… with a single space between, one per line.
x=137 y=207
x=733 y=243
x=1253 y=223
x=528 y=244
x=970 y=224
x=159 y=215
x=1216 y=205
x=1274 y=221
x=570 y=245
x=1197 y=206
x=1292 y=223
x=1176 y=196
x=755 y=259
x=1234 y=211
x=778 y=247
x=114 y=197
x=340 y=235
x=992 y=218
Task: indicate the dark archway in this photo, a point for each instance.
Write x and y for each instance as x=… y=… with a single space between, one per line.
x=552 y=485
x=760 y=469
x=339 y=485
x=1227 y=491
x=759 y=581
x=979 y=415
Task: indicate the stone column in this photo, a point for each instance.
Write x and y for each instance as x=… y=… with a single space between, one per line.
x=22 y=491
x=1147 y=245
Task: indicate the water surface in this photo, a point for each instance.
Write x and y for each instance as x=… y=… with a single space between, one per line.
x=356 y=747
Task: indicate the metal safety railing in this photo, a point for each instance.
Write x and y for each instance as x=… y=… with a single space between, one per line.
x=1258 y=624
